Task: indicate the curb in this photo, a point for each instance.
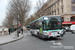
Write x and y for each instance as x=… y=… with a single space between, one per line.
x=12 y=41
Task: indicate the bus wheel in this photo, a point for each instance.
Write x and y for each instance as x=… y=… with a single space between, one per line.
x=72 y=32
x=31 y=33
x=42 y=37
x=38 y=35
x=62 y=35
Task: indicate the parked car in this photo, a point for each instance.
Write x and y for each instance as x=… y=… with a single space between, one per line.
x=6 y=29
x=72 y=28
x=67 y=28
x=63 y=28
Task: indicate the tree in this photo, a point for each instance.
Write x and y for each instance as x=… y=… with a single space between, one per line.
x=39 y=4
x=17 y=8
x=32 y=18
x=8 y=22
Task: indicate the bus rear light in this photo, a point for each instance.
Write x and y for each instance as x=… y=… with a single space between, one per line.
x=49 y=33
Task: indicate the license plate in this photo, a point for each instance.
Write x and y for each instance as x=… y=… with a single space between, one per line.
x=53 y=33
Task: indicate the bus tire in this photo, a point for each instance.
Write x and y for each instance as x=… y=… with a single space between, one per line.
x=38 y=35
x=42 y=37
x=62 y=35
x=72 y=32
x=31 y=33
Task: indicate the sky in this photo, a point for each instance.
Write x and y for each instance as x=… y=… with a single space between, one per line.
x=33 y=3
x=3 y=5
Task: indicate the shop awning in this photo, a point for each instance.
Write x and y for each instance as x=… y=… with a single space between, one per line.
x=68 y=22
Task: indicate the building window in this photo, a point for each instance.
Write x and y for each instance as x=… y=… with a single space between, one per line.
x=73 y=8
x=62 y=10
x=52 y=1
x=58 y=11
x=52 y=12
x=62 y=19
x=58 y=3
x=73 y=18
x=62 y=1
x=55 y=12
x=73 y=1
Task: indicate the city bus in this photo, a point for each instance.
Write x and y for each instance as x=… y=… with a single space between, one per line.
x=47 y=27
x=28 y=27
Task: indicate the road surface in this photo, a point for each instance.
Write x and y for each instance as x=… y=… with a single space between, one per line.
x=33 y=43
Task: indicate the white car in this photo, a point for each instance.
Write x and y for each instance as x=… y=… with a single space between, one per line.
x=72 y=28
x=6 y=29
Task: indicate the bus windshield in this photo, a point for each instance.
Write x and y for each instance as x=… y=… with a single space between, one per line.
x=52 y=23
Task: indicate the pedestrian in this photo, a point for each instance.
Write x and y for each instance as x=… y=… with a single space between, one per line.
x=22 y=30
x=9 y=31
x=19 y=30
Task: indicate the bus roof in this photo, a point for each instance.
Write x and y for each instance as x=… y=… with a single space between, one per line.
x=35 y=20
x=42 y=17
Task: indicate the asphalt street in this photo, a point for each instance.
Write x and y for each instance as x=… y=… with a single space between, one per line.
x=33 y=43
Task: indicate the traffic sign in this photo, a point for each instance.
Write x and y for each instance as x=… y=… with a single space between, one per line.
x=19 y=24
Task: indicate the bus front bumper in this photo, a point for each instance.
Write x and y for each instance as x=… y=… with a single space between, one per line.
x=47 y=36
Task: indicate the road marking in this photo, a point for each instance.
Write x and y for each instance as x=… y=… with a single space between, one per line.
x=51 y=41
x=29 y=34
x=25 y=34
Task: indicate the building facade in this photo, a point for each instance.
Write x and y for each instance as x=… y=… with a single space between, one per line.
x=65 y=8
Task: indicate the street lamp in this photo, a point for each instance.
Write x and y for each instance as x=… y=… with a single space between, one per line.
x=17 y=23
x=17 y=26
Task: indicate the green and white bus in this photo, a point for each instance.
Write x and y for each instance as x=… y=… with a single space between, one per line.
x=47 y=27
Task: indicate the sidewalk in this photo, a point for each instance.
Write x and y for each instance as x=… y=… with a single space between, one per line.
x=10 y=38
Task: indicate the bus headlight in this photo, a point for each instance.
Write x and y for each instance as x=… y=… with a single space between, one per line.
x=61 y=32
x=45 y=33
